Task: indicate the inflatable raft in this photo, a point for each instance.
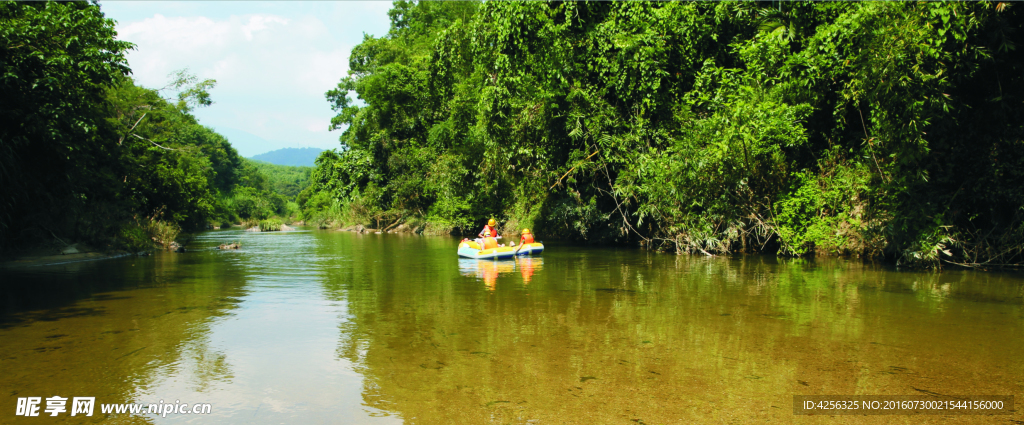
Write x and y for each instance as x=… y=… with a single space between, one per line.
x=471 y=249
x=530 y=248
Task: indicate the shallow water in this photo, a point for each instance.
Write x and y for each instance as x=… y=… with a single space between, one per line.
x=337 y=327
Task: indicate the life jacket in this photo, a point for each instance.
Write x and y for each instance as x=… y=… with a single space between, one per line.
x=527 y=238
x=494 y=232
x=490 y=243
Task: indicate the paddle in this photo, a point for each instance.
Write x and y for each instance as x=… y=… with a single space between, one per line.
x=518 y=248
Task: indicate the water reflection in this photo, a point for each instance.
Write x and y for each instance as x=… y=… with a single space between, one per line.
x=528 y=266
x=114 y=328
x=605 y=336
x=329 y=327
x=489 y=270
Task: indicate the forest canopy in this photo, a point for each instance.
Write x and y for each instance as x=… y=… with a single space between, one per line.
x=879 y=129
x=883 y=129
x=88 y=155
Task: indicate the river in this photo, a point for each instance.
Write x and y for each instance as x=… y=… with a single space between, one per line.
x=337 y=327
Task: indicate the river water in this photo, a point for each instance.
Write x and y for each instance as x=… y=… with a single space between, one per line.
x=337 y=327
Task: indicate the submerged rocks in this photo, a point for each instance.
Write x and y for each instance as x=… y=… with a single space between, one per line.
x=235 y=245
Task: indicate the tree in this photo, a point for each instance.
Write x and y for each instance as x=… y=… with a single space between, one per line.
x=877 y=128
x=56 y=59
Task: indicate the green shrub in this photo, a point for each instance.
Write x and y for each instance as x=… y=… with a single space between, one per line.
x=138 y=237
x=133 y=238
x=162 y=232
x=415 y=223
x=823 y=212
x=270 y=225
x=247 y=202
x=292 y=210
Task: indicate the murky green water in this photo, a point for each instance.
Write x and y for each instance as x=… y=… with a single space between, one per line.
x=336 y=327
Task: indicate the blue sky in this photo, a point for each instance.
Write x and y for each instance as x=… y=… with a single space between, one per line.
x=273 y=60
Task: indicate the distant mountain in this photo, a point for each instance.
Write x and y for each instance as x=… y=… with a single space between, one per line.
x=303 y=157
x=247 y=144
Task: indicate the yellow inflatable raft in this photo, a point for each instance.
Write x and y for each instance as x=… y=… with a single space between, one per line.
x=471 y=249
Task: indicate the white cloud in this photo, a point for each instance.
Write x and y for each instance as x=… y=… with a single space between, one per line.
x=272 y=69
x=225 y=49
x=259 y=23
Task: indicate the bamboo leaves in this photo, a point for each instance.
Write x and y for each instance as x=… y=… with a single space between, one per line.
x=711 y=121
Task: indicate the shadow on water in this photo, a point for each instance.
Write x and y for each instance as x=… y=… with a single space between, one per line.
x=112 y=328
x=50 y=293
x=53 y=315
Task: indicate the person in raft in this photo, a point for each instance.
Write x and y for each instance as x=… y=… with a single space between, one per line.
x=526 y=237
x=490 y=228
x=486 y=241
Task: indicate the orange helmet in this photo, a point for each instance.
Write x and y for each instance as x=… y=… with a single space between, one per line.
x=491 y=222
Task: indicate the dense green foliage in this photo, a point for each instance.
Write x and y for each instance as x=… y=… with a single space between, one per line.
x=284 y=179
x=879 y=128
x=89 y=155
x=56 y=60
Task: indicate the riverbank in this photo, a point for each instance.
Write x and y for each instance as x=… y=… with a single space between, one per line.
x=46 y=257
x=400 y=228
